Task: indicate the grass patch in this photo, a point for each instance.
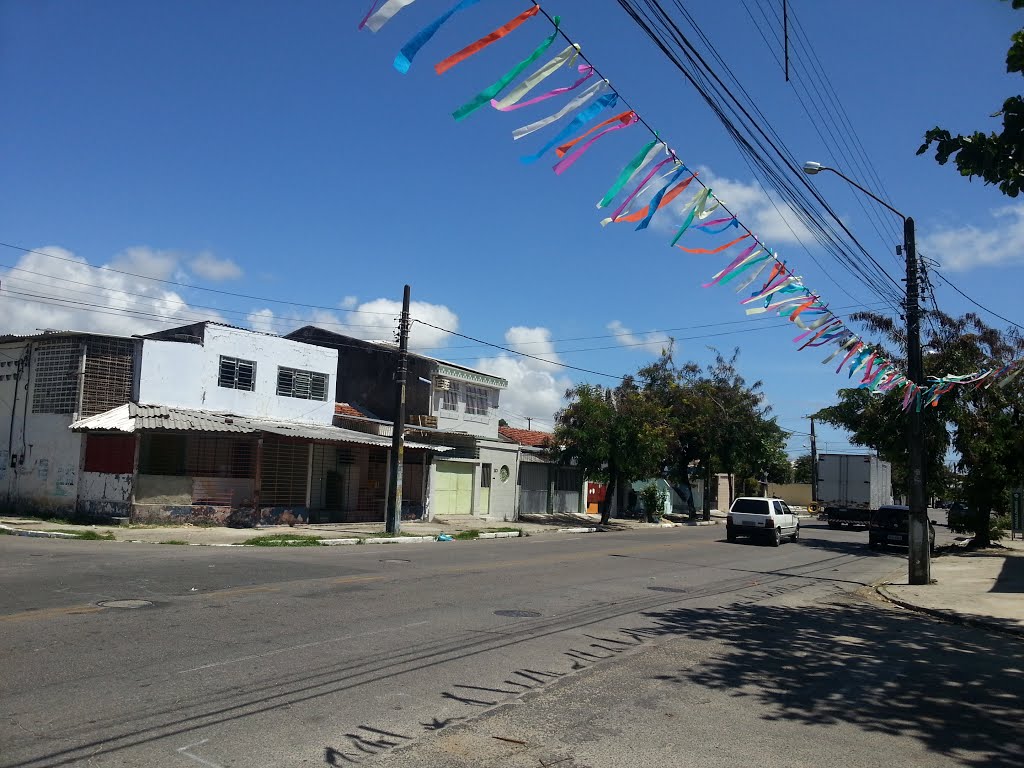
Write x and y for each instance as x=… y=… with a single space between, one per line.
x=174 y=541
x=474 y=533
x=284 y=540
x=88 y=535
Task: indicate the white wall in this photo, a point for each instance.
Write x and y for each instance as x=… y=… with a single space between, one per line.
x=460 y=421
x=47 y=454
x=185 y=375
x=503 y=495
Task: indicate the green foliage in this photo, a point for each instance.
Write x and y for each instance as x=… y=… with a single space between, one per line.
x=984 y=426
x=803 y=469
x=284 y=540
x=86 y=535
x=653 y=500
x=998 y=158
x=177 y=542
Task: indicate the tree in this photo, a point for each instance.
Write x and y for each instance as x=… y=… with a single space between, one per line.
x=615 y=435
x=502 y=423
x=998 y=158
x=803 y=469
x=983 y=425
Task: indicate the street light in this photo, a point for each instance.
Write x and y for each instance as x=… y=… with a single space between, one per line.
x=919 y=565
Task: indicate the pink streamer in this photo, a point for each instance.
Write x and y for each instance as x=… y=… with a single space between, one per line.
x=640 y=186
x=369 y=13
x=563 y=165
x=557 y=92
x=735 y=263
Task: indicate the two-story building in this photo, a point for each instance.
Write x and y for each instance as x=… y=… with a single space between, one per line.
x=447 y=405
x=205 y=422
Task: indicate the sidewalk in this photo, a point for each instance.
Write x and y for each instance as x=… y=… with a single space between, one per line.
x=979 y=587
x=220 y=536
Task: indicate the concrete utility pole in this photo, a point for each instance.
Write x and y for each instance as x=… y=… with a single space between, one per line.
x=393 y=519
x=918 y=532
x=814 y=464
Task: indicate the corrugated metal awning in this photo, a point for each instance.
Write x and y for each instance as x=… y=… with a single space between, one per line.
x=160 y=418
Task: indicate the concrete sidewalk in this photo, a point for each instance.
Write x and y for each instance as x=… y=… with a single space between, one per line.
x=220 y=536
x=980 y=587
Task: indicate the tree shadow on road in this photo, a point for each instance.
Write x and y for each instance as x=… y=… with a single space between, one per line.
x=955 y=689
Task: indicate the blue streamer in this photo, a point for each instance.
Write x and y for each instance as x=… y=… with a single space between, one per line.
x=732 y=223
x=405 y=56
x=656 y=200
x=581 y=119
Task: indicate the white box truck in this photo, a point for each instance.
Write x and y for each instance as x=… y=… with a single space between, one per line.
x=852 y=486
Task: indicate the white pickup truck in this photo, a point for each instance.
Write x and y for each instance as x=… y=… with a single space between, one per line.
x=758 y=517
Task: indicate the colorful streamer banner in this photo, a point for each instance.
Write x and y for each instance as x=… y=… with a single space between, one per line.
x=404 y=58
x=497 y=87
x=474 y=48
x=781 y=291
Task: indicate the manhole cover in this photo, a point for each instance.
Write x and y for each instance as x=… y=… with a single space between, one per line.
x=395 y=560
x=124 y=603
x=667 y=589
x=518 y=614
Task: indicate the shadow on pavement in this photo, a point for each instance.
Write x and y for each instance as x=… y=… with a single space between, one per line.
x=1011 y=576
x=956 y=690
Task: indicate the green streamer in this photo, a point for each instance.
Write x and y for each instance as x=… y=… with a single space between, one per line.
x=488 y=93
x=627 y=172
x=697 y=207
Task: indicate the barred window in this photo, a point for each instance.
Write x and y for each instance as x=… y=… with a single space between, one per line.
x=477 y=401
x=55 y=369
x=305 y=385
x=236 y=373
x=451 y=398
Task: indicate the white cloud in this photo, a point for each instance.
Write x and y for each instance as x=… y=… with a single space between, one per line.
x=349 y=302
x=67 y=293
x=652 y=342
x=375 y=320
x=210 y=267
x=960 y=248
x=535 y=388
x=772 y=221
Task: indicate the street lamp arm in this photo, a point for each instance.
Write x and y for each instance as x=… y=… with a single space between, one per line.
x=867 y=192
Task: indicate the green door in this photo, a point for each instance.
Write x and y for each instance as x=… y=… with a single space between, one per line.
x=453 y=489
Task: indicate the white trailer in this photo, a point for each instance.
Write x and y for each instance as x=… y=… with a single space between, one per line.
x=852 y=486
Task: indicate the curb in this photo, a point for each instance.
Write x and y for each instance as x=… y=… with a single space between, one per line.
x=400 y=540
x=947 y=615
x=338 y=542
x=576 y=530
x=37 y=534
x=500 y=535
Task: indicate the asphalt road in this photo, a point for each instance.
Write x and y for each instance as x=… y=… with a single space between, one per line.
x=356 y=655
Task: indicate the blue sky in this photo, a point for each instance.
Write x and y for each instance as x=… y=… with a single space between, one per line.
x=270 y=149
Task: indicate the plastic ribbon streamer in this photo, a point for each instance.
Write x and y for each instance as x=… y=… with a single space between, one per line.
x=746 y=255
x=642 y=158
x=581 y=119
x=706 y=226
x=473 y=48
x=584 y=69
x=660 y=200
x=563 y=165
x=568 y=56
x=636 y=191
x=405 y=56
x=695 y=206
x=501 y=84
x=387 y=11
x=369 y=13
x=719 y=249
x=573 y=104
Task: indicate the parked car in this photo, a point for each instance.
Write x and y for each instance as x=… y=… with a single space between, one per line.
x=958 y=515
x=890 y=525
x=762 y=518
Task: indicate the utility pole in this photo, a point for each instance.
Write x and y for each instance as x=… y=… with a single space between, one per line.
x=919 y=570
x=919 y=539
x=814 y=464
x=529 y=423
x=393 y=520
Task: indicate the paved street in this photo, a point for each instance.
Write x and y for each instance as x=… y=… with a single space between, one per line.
x=661 y=647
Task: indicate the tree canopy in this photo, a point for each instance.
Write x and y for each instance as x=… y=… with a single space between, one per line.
x=998 y=158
